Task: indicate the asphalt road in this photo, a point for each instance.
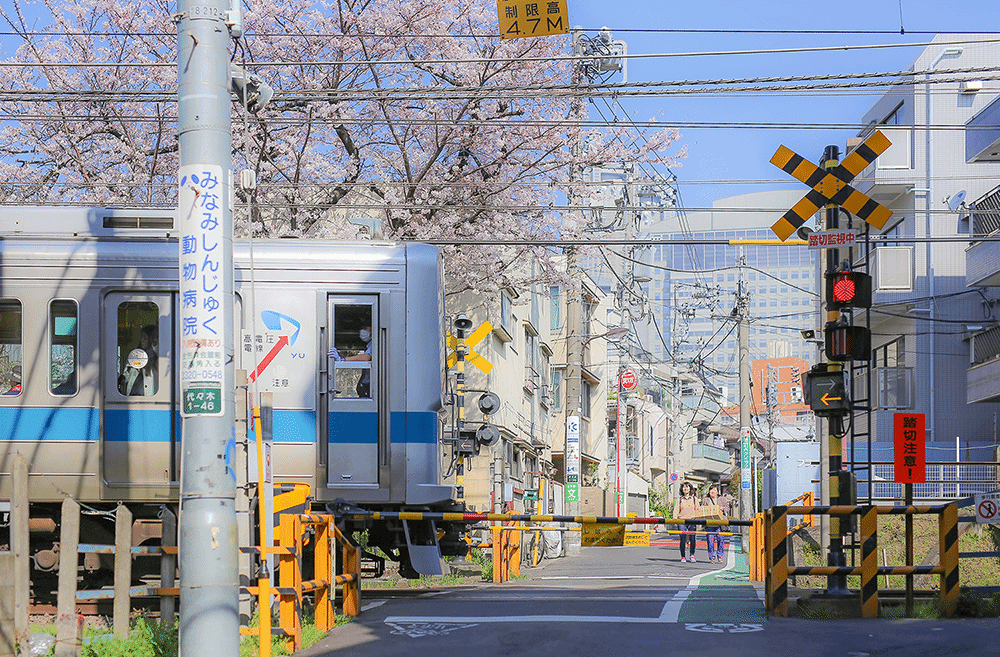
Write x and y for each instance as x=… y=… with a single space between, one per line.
x=632 y=601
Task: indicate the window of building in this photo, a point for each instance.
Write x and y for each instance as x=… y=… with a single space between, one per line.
x=585 y=393
x=63 y=347
x=506 y=313
x=555 y=308
x=557 y=385
x=10 y=347
x=890 y=354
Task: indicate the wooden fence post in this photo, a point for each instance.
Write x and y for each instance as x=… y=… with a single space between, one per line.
x=8 y=642
x=123 y=570
x=19 y=517
x=67 y=629
x=168 y=566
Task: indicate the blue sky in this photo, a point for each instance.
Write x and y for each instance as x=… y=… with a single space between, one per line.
x=734 y=153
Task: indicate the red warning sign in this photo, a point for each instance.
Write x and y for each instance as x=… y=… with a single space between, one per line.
x=911 y=438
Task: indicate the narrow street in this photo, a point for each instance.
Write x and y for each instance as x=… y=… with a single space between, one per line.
x=627 y=601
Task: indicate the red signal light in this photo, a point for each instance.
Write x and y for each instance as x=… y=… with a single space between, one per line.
x=843 y=289
x=848 y=289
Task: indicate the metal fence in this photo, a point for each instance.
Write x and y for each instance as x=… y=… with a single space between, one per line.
x=944 y=481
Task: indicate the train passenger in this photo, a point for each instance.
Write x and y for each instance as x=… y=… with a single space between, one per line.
x=686 y=508
x=14 y=383
x=140 y=376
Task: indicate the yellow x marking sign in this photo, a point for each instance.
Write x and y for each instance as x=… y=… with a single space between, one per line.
x=831 y=187
x=472 y=357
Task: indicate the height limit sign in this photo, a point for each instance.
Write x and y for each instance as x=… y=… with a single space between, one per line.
x=532 y=18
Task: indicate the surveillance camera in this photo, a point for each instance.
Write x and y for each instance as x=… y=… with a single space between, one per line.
x=250 y=89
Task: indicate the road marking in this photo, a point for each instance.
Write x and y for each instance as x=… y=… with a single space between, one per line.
x=419 y=626
x=372 y=605
x=672 y=609
x=722 y=628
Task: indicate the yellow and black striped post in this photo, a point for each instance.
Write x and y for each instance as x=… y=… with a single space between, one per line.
x=948 y=542
x=869 y=562
x=777 y=584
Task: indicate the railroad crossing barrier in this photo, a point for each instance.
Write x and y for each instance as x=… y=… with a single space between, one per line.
x=776 y=534
x=756 y=553
x=506 y=550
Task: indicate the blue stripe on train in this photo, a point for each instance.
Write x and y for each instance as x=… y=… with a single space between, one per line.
x=153 y=425
x=60 y=423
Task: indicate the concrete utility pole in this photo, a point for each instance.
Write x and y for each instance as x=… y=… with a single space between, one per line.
x=574 y=337
x=209 y=585
x=746 y=469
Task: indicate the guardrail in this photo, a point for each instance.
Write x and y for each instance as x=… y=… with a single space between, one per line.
x=776 y=549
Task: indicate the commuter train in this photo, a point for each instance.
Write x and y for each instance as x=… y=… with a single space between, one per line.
x=89 y=392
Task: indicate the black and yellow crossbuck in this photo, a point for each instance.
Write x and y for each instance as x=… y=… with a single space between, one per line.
x=831 y=186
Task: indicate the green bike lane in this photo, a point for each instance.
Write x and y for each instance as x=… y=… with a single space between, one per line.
x=723 y=597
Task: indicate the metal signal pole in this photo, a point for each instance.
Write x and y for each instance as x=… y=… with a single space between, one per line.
x=835 y=584
x=209 y=582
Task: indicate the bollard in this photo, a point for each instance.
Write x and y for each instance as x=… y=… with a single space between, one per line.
x=778 y=575
x=948 y=543
x=869 y=562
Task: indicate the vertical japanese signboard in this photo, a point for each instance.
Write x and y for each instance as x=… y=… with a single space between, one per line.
x=573 y=459
x=201 y=341
x=910 y=452
x=532 y=18
x=745 y=464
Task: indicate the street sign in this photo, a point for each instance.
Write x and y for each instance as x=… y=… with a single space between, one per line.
x=832 y=239
x=532 y=18
x=572 y=459
x=472 y=357
x=745 y=457
x=988 y=507
x=831 y=187
x=628 y=379
x=910 y=440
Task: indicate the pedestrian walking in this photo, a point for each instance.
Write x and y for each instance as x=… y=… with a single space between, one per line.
x=716 y=542
x=686 y=508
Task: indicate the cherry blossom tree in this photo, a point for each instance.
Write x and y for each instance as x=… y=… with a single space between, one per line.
x=409 y=114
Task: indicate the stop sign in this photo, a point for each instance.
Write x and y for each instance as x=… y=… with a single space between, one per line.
x=628 y=379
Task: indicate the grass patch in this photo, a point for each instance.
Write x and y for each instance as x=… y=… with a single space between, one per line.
x=922 y=609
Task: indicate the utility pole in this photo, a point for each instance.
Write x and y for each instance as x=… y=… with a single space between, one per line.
x=574 y=326
x=746 y=470
x=209 y=583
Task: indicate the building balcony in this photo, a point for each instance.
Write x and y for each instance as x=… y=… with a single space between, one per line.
x=892 y=174
x=983 y=377
x=982 y=258
x=708 y=458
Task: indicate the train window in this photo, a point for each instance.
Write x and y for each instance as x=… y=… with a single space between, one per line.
x=10 y=346
x=63 y=347
x=138 y=348
x=352 y=350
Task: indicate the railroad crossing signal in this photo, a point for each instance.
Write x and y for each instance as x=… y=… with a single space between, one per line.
x=831 y=187
x=825 y=391
x=472 y=357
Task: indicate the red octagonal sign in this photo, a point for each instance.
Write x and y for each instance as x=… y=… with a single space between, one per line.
x=628 y=379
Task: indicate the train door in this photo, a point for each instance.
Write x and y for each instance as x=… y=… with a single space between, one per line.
x=141 y=445
x=357 y=440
